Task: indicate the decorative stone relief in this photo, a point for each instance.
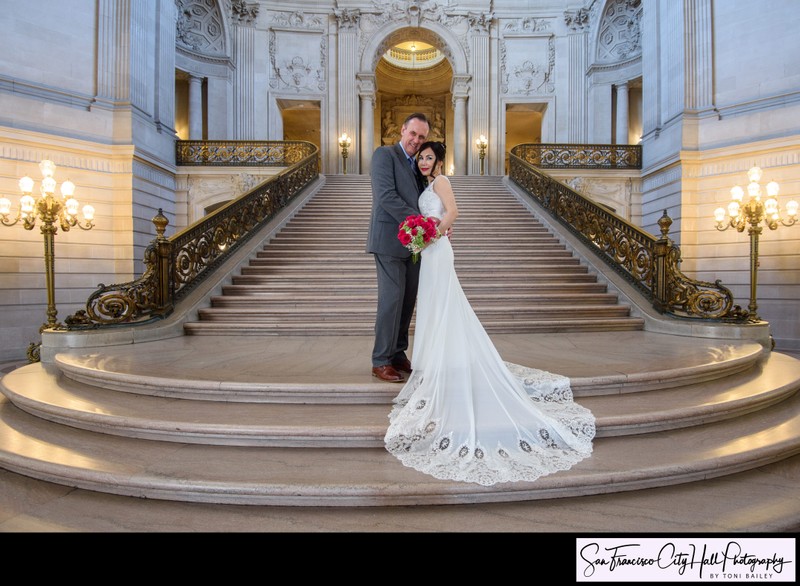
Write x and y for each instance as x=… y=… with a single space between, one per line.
x=293 y=67
x=526 y=65
x=347 y=18
x=298 y=20
x=619 y=38
x=480 y=23
x=243 y=12
x=199 y=27
x=414 y=13
x=613 y=194
x=577 y=20
x=395 y=111
x=204 y=191
x=527 y=25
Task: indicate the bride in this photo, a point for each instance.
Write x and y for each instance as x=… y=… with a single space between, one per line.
x=464 y=413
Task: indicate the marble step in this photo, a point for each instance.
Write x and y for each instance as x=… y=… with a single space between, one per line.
x=528 y=269
x=319 y=311
x=473 y=279
x=362 y=261
x=100 y=402
x=363 y=300
x=365 y=328
x=471 y=290
x=286 y=254
x=285 y=476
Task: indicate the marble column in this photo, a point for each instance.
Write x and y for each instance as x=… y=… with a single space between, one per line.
x=460 y=91
x=366 y=93
x=622 y=113
x=460 y=135
x=244 y=90
x=347 y=93
x=195 y=108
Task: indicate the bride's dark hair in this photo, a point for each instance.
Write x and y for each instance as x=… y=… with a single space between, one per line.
x=437 y=147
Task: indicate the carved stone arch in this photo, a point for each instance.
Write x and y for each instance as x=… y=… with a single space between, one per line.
x=433 y=34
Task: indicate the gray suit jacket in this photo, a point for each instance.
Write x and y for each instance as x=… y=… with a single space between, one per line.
x=395 y=196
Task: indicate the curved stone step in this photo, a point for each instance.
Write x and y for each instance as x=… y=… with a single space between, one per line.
x=279 y=369
x=327 y=420
x=371 y=476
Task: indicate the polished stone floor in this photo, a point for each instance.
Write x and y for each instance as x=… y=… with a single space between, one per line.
x=766 y=499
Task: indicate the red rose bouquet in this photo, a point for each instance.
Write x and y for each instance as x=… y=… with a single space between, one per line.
x=416 y=232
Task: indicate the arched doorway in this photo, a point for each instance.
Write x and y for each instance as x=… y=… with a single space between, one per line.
x=413 y=76
x=412 y=69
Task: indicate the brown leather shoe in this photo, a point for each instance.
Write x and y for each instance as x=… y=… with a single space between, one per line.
x=387 y=373
x=403 y=364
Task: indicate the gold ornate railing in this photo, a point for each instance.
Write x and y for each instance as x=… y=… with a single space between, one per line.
x=176 y=265
x=581 y=156
x=649 y=263
x=242 y=153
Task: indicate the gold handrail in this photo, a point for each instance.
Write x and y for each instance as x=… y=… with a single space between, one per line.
x=651 y=264
x=176 y=265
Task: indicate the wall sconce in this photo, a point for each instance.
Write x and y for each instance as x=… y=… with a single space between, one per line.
x=344 y=143
x=482 y=143
x=750 y=214
x=50 y=210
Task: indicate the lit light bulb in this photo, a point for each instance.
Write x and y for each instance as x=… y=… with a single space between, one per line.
x=26 y=184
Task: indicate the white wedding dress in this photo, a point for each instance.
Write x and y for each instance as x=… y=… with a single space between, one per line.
x=464 y=413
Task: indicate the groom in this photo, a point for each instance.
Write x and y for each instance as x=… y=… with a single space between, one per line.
x=396 y=185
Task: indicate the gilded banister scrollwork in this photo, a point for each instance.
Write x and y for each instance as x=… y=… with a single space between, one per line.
x=241 y=153
x=176 y=265
x=651 y=264
x=581 y=156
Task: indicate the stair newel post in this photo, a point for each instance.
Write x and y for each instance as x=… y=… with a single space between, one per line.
x=163 y=287
x=661 y=277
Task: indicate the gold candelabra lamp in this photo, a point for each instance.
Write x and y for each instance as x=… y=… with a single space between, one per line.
x=750 y=214
x=482 y=144
x=52 y=211
x=344 y=143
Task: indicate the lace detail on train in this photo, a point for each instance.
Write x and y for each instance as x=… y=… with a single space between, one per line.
x=466 y=414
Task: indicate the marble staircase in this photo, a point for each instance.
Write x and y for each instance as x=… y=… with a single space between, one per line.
x=265 y=402
x=239 y=420
x=315 y=278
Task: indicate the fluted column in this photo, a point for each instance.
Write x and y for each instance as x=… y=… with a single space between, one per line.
x=460 y=89
x=244 y=87
x=698 y=43
x=578 y=42
x=622 y=113
x=460 y=135
x=195 y=108
x=366 y=91
x=348 y=120
x=478 y=105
